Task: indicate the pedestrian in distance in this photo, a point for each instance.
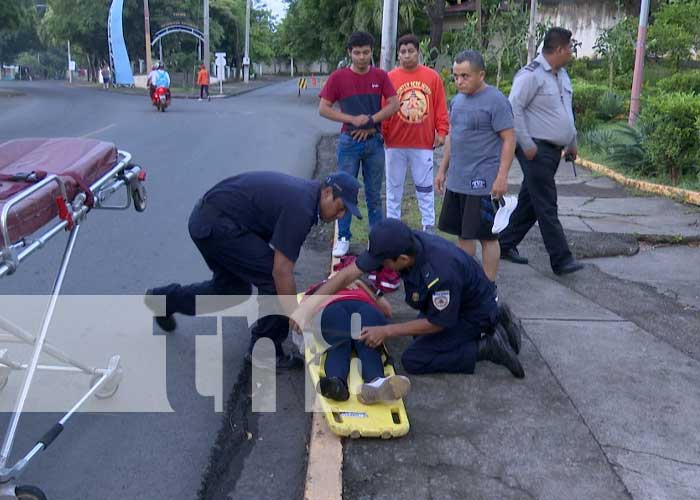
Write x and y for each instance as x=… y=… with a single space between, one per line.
x=359 y=89
x=411 y=135
x=542 y=97
x=203 y=82
x=106 y=75
x=248 y=237
x=477 y=158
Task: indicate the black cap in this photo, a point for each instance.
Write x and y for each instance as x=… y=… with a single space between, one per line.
x=347 y=187
x=387 y=240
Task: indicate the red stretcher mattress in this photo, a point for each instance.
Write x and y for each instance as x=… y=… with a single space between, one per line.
x=89 y=159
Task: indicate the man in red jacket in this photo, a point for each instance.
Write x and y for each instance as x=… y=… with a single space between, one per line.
x=420 y=125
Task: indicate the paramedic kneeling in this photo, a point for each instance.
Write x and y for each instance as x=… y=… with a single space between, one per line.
x=249 y=229
x=457 y=325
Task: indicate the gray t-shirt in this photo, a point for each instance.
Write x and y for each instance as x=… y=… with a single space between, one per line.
x=475 y=146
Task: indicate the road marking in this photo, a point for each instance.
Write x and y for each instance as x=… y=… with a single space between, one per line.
x=324 y=472
x=94 y=132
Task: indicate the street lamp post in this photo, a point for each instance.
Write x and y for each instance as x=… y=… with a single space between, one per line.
x=206 y=35
x=638 y=77
x=389 y=21
x=532 y=32
x=246 y=52
x=147 y=31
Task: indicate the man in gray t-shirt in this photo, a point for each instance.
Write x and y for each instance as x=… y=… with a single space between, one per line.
x=478 y=153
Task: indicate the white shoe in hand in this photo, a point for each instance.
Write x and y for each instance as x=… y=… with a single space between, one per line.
x=502 y=218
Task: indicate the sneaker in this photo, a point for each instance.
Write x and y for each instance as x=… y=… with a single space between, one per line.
x=341 y=247
x=384 y=389
x=166 y=323
x=199 y=99
x=429 y=229
x=506 y=206
x=333 y=388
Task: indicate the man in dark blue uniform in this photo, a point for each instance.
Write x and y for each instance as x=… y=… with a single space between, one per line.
x=250 y=228
x=458 y=321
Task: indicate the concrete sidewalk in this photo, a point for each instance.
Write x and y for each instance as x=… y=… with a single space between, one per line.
x=610 y=403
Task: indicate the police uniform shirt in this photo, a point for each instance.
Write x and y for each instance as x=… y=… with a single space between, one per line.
x=446 y=285
x=279 y=208
x=542 y=105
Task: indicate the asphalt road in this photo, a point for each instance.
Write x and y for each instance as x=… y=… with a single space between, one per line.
x=185 y=150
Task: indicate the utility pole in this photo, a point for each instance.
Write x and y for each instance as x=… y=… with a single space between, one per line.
x=638 y=77
x=147 y=31
x=246 y=52
x=532 y=32
x=206 y=36
x=389 y=21
x=70 y=73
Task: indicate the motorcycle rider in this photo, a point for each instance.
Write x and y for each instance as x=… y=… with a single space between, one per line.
x=150 y=81
x=162 y=78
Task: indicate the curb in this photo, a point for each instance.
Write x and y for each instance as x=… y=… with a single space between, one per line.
x=324 y=471
x=684 y=195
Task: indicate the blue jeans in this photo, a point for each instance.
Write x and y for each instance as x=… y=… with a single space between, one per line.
x=369 y=154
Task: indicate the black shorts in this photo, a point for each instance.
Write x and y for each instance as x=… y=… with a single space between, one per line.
x=468 y=216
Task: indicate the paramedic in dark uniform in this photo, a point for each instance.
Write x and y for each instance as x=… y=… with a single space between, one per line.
x=541 y=99
x=457 y=324
x=250 y=228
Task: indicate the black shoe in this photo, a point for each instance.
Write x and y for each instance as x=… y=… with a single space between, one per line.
x=166 y=323
x=570 y=267
x=495 y=348
x=512 y=255
x=512 y=325
x=284 y=361
x=333 y=388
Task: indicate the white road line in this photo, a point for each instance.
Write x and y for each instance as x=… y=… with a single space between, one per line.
x=94 y=132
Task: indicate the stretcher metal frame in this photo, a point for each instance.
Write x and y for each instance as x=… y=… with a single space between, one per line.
x=104 y=382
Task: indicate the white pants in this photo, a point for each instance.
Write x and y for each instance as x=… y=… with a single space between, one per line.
x=421 y=163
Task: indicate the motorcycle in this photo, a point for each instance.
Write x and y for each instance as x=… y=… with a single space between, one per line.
x=161 y=98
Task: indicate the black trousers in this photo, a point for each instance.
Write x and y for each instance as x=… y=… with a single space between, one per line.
x=537 y=202
x=203 y=89
x=237 y=259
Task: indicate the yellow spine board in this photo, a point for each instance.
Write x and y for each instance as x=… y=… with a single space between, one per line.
x=351 y=418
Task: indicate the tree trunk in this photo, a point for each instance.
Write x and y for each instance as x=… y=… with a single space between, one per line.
x=611 y=68
x=479 y=33
x=499 y=70
x=436 y=14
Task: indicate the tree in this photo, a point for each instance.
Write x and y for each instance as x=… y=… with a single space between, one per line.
x=675 y=32
x=616 y=45
x=507 y=29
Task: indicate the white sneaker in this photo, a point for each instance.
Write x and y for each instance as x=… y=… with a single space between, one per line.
x=384 y=389
x=502 y=218
x=342 y=246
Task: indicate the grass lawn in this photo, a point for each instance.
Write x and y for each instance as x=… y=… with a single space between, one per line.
x=690 y=182
x=410 y=213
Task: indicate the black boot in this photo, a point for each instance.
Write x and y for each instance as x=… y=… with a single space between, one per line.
x=333 y=388
x=166 y=323
x=512 y=325
x=495 y=348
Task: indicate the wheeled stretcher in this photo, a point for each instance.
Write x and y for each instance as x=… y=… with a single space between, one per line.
x=47 y=186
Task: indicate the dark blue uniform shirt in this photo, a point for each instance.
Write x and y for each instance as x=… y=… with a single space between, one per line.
x=448 y=286
x=279 y=208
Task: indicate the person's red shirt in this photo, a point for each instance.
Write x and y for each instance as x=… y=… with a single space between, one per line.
x=423 y=110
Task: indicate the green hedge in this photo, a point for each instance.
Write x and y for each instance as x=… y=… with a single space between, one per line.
x=688 y=81
x=671 y=134
x=587 y=96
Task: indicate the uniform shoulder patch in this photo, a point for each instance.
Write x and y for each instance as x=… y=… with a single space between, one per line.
x=441 y=299
x=532 y=66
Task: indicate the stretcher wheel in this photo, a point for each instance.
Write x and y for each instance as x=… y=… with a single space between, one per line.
x=139 y=196
x=106 y=391
x=29 y=493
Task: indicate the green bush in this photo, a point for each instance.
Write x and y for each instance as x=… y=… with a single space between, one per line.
x=610 y=106
x=670 y=128
x=587 y=121
x=623 y=82
x=587 y=96
x=688 y=81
